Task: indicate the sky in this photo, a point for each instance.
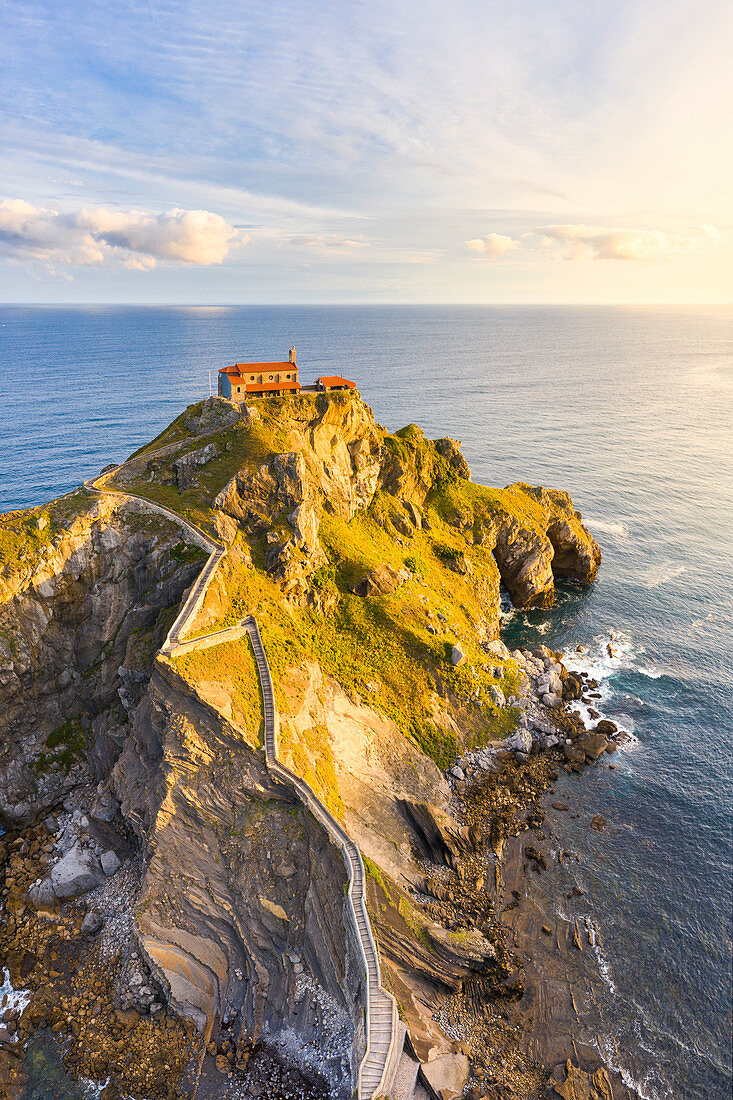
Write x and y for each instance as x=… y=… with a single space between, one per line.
x=279 y=151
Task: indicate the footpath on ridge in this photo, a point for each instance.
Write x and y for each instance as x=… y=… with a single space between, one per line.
x=385 y=1062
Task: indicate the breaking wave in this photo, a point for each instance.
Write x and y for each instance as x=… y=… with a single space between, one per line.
x=608 y=655
x=13 y=998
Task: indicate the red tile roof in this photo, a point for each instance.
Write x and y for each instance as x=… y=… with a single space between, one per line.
x=257 y=368
x=335 y=380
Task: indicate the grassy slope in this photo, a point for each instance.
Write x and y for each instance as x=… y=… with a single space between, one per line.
x=22 y=540
x=380 y=648
x=230 y=666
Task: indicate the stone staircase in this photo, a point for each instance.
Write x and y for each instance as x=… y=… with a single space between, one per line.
x=385 y=1032
x=387 y=1069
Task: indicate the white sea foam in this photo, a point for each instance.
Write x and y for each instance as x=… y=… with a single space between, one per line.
x=93 y=1089
x=12 y=998
x=609 y=1051
x=609 y=654
x=652 y=673
x=663 y=573
x=620 y=530
x=599 y=954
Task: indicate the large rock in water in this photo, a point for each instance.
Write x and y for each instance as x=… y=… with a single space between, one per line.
x=552 y=542
x=593 y=744
x=76 y=873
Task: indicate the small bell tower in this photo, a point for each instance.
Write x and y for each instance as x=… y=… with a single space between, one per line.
x=291 y=357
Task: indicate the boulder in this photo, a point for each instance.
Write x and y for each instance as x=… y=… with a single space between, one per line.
x=447 y=1074
x=497 y=649
x=520 y=741
x=544 y=653
x=92 y=922
x=76 y=873
x=457 y=656
x=225 y=527
x=382 y=581
x=497 y=696
x=572 y=688
x=42 y=896
x=111 y=863
x=604 y=726
x=593 y=744
x=105 y=806
x=572 y=1083
x=187 y=464
x=403 y=526
x=573 y=754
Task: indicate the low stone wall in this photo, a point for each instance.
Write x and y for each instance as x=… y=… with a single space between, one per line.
x=229 y=634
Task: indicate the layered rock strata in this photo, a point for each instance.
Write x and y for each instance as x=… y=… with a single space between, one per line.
x=372 y=560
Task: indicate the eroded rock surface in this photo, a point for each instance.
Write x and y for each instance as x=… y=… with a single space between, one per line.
x=235 y=914
x=78 y=630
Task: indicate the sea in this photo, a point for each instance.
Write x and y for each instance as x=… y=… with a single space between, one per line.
x=629 y=409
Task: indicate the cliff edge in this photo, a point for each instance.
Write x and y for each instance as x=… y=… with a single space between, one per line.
x=374 y=566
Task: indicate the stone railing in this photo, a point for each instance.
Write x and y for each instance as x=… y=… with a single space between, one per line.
x=217 y=552
x=382 y=1023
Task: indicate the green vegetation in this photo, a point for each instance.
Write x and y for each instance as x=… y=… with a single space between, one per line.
x=26 y=533
x=309 y=753
x=65 y=744
x=187 y=553
x=374 y=871
x=231 y=671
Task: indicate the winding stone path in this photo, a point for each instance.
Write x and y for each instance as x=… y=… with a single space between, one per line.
x=385 y=1033
x=383 y=1027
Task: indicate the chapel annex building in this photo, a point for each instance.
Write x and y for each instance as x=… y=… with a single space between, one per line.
x=246 y=381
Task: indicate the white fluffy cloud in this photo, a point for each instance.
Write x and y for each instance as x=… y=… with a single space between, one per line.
x=597 y=242
x=97 y=237
x=493 y=245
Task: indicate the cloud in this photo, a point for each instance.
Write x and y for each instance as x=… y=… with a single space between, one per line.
x=494 y=245
x=595 y=242
x=330 y=242
x=97 y=237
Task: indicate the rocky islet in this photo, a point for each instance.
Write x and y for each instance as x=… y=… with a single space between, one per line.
x=217 y=872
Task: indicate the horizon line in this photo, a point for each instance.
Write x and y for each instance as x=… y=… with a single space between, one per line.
x=347 y=305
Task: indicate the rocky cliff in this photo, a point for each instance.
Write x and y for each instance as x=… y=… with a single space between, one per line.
x=374 y=566
x=83 y=609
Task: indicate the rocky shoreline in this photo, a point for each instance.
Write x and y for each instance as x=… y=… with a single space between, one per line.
x=519 y=1040
x=173 y=912
x=527 y=1036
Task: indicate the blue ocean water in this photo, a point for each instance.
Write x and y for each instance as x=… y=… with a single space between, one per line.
x=628 y=409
